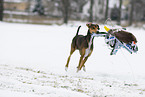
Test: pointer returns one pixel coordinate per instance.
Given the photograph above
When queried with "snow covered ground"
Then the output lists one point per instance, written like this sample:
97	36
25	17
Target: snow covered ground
33	58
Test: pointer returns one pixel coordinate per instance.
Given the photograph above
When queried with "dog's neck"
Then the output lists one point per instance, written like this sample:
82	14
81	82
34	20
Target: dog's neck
88	35
89	38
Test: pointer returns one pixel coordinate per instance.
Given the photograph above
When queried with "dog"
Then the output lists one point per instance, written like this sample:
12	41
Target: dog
84	44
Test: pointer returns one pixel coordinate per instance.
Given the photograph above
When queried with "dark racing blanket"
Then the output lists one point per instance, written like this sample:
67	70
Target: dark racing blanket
125	37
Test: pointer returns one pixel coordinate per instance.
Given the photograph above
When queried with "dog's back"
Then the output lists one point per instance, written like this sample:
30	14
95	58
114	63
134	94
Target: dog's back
79	41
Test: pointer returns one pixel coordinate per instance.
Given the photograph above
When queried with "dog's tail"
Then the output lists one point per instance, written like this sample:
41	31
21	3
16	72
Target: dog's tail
78	30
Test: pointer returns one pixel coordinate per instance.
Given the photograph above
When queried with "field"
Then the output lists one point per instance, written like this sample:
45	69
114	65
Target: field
33	58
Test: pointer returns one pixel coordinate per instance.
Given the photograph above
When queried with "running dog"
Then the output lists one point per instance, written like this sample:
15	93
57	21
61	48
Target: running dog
84	44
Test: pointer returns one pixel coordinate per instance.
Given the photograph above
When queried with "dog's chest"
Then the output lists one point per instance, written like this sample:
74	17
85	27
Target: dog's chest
88	50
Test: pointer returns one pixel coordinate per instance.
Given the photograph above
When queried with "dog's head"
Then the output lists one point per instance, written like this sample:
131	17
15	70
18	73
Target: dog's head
93	28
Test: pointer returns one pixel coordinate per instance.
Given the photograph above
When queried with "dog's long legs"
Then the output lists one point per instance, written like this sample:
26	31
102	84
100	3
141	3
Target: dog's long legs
81	59
82	53
83	62
71	52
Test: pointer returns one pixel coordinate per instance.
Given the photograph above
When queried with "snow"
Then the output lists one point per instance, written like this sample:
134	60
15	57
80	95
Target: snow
33	58
112	3
16	12
16	1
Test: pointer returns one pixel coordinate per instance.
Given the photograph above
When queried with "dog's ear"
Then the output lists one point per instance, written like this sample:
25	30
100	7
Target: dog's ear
98	27
88	25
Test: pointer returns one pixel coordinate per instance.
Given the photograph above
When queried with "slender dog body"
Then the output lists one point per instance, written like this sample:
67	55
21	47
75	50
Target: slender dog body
84	44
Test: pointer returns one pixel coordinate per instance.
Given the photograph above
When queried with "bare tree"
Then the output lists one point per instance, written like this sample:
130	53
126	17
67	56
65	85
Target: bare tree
119	16
131	12
1	10
138	10
65	10
106	12
91	11
81	4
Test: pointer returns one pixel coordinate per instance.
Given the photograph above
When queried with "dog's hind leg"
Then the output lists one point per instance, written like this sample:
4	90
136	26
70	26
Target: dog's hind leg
71	52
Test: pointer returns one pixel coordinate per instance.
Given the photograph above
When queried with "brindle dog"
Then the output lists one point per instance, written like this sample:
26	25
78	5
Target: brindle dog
84	44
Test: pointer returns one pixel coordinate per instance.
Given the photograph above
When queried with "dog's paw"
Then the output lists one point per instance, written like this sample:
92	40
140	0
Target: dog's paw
78	69
84	69
66	68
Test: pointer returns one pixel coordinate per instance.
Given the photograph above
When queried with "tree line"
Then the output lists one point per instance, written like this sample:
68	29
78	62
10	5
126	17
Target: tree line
136	9
1	10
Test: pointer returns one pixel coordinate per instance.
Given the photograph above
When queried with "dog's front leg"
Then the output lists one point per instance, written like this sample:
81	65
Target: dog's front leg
82	53
80	62
83	62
